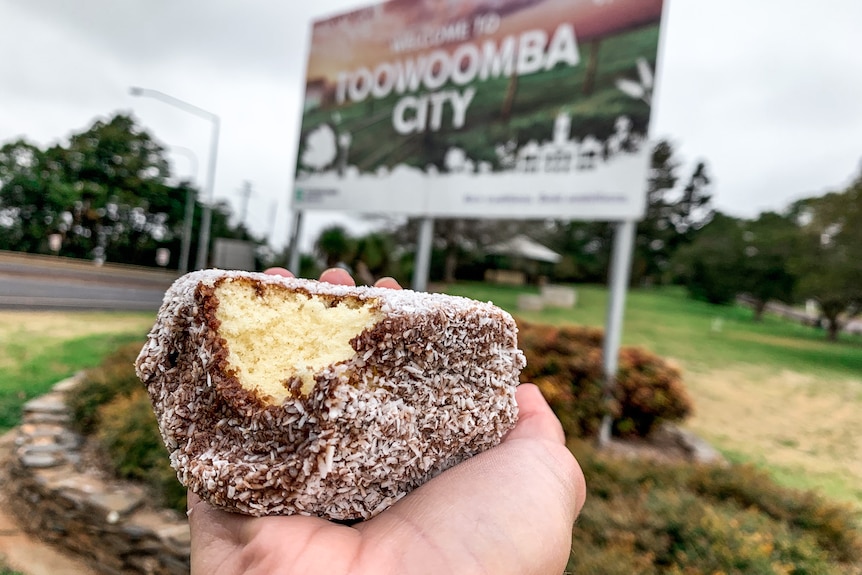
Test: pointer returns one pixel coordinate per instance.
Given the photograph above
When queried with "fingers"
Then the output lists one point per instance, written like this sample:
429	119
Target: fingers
337	276
387	282
279	272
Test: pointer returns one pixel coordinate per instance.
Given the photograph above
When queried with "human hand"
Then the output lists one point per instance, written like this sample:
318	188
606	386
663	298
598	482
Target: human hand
508	510
338	276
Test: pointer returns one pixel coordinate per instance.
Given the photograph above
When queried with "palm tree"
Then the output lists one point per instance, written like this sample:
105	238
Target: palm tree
335	245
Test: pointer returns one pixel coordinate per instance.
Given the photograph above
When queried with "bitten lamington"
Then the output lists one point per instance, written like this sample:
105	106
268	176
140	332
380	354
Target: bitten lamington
290	396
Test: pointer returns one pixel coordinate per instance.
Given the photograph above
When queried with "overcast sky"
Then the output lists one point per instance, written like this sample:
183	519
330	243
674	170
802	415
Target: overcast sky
767	92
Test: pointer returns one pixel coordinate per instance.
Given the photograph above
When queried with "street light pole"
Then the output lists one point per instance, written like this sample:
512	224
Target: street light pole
206	216
185	247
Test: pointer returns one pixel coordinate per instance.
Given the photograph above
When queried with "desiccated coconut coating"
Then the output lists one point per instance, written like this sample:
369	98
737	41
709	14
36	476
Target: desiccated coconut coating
428	385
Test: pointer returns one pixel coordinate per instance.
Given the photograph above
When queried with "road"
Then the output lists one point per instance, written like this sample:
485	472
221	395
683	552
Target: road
38	282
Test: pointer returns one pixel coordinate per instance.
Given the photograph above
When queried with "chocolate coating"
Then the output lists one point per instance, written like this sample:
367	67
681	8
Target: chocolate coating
429	385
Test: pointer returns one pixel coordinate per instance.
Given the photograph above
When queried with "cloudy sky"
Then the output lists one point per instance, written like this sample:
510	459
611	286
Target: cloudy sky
768	93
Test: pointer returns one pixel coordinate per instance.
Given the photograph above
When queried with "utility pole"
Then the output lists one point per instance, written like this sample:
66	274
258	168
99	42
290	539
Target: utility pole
273	213
245	193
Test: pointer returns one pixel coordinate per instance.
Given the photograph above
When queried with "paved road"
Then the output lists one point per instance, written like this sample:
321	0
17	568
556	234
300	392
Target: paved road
50	293
44	283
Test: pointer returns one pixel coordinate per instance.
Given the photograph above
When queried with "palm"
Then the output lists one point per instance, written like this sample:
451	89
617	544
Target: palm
508	510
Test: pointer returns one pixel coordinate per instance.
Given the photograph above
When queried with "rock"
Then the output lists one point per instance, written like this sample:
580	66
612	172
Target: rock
46	417
41	460
68	384
52	403
559	296
122	501
530	302
109	523
699	450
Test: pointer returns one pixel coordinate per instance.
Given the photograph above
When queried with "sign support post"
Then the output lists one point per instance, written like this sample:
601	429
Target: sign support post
296	232
620	271
422	261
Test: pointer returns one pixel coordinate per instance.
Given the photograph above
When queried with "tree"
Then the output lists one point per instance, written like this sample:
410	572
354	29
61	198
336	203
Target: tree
672	217
372	257
712	267
457	241
731	256
585	247
106	193
334	245
34	197
770	243
125	207
829	259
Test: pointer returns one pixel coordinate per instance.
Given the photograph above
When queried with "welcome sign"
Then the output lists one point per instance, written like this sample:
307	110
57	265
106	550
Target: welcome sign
481	108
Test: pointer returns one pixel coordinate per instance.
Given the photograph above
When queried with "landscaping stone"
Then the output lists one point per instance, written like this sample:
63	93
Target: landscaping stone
108	523
52	403
40	460
559	296
530	302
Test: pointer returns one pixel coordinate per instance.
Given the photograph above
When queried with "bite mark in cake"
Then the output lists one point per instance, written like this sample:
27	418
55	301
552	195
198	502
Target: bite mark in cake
275	335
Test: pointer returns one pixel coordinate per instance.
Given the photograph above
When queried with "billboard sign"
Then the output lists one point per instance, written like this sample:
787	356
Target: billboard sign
480	108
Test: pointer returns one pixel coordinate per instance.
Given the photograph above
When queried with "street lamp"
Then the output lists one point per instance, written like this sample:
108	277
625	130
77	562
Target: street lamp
206	216
190	209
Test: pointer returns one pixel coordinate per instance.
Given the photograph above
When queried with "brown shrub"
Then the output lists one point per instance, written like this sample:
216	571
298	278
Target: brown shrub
129	434
565	362
114	377
111	404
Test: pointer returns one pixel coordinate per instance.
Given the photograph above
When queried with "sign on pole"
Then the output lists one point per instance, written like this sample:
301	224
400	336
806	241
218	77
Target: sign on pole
480	108
516	109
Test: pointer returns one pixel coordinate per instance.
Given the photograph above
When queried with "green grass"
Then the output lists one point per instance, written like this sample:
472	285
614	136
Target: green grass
775	394
836	486
668	323
33	356
39	372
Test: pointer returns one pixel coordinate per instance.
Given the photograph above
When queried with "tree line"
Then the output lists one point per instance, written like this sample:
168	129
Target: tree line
810	251
108	194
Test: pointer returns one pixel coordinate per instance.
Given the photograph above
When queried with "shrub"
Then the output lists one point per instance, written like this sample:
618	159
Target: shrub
115	376
129	434
648	390
566	363
647	518
751	488
111	405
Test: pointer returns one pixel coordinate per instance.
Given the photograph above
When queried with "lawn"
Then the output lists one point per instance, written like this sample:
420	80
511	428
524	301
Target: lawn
775	393
37	349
